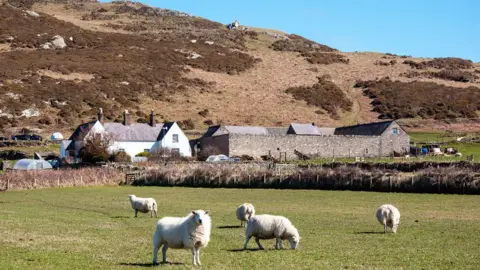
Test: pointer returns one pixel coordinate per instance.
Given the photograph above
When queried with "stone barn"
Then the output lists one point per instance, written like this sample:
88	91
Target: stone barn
367	140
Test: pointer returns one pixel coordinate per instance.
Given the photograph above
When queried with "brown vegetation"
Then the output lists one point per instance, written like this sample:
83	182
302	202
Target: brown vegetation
395	99
324	58
295	43
455	75
324	94
123	67
429	180
441	63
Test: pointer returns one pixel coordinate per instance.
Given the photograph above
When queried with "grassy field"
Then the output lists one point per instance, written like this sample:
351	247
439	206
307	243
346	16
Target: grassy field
94	228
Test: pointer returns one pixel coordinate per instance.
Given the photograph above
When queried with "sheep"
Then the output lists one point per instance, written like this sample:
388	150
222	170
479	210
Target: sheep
245	212
143	205
190	232
388	215
269	227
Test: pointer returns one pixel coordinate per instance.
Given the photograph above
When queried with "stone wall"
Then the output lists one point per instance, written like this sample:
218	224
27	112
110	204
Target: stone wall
321	146
390	142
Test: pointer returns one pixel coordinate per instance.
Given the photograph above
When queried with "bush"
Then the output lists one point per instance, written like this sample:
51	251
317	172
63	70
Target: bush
95	148
324	94
207	151
121	157
204	113
441	63
395	99
187	124
143	154
322	58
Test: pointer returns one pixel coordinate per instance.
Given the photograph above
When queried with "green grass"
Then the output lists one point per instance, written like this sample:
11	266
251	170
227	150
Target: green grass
30	150
94	228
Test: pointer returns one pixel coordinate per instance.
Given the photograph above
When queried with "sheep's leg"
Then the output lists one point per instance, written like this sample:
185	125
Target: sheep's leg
164	253
281	244
156	214
277	243
194	256
385	227
258	243
136	211
156	247
198	256
246	242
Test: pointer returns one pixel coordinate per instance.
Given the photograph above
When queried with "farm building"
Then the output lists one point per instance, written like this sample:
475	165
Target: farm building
366	140
132	138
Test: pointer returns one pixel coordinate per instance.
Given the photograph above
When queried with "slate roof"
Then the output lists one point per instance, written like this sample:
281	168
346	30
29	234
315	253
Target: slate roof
251	130
370	129
81	131
326	131
277	130
303	129
133	132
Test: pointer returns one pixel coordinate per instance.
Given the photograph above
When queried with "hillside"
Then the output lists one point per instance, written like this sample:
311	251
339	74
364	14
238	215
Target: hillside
130	56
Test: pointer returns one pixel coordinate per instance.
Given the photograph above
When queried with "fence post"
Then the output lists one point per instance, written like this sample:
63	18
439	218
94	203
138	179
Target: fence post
390	183
34	182
58	181
299	180
249	180
264	178
8	184
371	182
316	185
194	183
81	180
412	180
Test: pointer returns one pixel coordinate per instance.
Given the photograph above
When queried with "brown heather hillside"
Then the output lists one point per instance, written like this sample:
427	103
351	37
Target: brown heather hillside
189	69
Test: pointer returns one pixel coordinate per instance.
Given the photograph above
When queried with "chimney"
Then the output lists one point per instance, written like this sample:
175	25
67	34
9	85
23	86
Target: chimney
152	119
127	118
100	115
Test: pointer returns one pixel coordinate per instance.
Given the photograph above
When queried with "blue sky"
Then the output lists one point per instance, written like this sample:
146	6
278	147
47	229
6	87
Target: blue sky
428	28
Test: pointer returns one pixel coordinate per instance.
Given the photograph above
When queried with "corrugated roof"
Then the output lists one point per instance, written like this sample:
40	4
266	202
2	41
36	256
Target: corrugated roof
277	130
303	129
252	130
133	132
370	129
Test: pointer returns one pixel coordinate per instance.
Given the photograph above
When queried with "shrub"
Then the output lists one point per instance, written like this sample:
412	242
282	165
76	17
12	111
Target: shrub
208	122
441	63
95	148
324	94
143	154
187	124
204	113
120	157
395	99
322	58
207	151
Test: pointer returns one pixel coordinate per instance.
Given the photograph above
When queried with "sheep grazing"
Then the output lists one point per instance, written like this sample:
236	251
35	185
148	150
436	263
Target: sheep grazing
190	232
143	205
245	212
388	215
269	227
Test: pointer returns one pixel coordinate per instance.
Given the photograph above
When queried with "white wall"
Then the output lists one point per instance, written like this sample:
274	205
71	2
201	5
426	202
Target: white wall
167	142
131	148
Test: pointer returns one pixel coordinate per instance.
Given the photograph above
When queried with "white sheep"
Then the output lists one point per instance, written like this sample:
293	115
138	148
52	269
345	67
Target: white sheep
270	227
245	212
190	232
143	205
388	215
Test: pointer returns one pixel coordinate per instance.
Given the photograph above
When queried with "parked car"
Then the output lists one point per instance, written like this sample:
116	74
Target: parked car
3	138
23	137
35	137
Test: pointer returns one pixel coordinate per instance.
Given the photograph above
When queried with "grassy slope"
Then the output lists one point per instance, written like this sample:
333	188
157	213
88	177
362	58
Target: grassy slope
82	228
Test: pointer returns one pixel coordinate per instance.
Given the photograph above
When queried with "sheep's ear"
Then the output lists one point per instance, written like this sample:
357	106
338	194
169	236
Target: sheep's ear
206	212
193	212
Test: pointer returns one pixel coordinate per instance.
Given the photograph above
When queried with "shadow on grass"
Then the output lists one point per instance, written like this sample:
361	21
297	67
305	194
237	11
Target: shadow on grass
150	264
244	250
120	217
369	233
229	227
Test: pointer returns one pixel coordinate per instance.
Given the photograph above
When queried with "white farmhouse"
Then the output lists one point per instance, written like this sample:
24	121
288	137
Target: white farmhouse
132	138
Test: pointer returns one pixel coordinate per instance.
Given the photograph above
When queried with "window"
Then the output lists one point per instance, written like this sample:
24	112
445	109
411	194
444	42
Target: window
395	130
175	138
121	150
146	150
366	150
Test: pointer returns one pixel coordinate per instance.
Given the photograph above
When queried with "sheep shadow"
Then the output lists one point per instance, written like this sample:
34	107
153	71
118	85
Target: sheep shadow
369	233
230	227
150	264
120	217
245	250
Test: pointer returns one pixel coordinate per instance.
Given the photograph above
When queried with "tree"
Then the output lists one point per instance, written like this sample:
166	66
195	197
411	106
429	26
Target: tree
208	151
96	148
